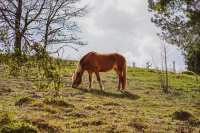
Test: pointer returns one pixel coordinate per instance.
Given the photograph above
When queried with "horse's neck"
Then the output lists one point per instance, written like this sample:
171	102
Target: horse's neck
79	68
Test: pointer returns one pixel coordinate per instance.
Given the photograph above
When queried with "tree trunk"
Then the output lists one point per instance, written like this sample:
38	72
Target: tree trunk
46	35
166	70
18	36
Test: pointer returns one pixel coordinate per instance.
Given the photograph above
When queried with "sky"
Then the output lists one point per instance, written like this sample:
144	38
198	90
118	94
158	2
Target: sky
123	26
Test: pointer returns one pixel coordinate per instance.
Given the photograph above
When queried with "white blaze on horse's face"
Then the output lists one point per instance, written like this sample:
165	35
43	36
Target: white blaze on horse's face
73	77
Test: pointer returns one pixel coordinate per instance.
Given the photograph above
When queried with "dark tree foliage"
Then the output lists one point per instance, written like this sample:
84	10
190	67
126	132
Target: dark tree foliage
179	21
193	58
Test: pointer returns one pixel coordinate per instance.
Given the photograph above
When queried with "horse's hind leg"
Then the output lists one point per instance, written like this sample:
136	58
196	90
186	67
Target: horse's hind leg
119	79
99	80
90	80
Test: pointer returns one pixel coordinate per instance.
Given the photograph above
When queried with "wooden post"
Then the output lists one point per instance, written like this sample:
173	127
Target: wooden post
174	66
133	64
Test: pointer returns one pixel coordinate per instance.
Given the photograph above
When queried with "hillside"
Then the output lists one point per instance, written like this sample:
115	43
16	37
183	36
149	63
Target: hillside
143	107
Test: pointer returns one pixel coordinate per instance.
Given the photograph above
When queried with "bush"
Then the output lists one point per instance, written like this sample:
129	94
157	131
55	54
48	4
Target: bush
189	73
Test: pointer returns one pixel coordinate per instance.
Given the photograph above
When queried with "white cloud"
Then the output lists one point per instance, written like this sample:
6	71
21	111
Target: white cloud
124	27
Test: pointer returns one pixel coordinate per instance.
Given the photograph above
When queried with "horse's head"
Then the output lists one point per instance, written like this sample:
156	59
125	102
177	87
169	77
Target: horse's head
77	77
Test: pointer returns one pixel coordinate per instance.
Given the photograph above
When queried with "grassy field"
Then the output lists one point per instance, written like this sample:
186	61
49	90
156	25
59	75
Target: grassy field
143	107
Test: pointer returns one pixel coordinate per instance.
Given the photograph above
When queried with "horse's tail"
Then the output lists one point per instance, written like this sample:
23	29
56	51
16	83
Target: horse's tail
124	76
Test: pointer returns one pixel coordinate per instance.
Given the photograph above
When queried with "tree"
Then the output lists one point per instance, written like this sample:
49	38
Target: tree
53	21
18	15
57	24
193	58
179	21
166	86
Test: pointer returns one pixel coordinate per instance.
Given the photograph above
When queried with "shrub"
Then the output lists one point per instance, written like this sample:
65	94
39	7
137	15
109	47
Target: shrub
189	73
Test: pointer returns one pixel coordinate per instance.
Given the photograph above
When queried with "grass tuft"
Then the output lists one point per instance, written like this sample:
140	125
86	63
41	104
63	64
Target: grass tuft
58	102
19	127
23	100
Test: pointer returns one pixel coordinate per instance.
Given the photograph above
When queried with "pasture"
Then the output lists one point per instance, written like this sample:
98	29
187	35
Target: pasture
143	107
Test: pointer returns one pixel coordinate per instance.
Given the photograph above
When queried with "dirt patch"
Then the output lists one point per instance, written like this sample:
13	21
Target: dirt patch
182	128
182	115
90	123
138	125
37	105
78	114
89	107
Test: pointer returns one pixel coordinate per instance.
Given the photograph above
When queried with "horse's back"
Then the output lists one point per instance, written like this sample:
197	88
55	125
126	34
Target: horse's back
102	62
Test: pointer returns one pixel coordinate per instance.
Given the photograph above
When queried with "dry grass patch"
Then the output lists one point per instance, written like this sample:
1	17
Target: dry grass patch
58	102
42	125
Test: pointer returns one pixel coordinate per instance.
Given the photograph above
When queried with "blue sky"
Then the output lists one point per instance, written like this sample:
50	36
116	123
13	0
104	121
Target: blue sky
124	27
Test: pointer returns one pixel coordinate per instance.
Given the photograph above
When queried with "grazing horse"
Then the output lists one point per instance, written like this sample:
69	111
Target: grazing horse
94	62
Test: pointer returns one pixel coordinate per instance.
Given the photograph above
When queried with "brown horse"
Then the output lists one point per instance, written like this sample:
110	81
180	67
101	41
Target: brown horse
94	62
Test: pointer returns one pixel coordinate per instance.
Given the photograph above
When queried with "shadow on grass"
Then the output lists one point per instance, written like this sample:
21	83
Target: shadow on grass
122	94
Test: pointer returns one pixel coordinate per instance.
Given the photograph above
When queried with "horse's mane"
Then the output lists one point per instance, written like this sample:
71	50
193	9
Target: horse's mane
83	58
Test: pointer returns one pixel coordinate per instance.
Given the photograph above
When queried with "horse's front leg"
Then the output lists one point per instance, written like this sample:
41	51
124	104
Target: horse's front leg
119	79
99	80
90	80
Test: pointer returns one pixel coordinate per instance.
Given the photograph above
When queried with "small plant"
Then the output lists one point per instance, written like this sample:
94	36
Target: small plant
18	127
49	71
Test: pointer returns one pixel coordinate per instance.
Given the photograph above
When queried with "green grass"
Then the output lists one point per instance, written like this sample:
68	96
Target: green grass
143	107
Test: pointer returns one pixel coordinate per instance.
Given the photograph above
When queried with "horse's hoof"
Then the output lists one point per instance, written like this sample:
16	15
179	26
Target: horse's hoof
122	91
